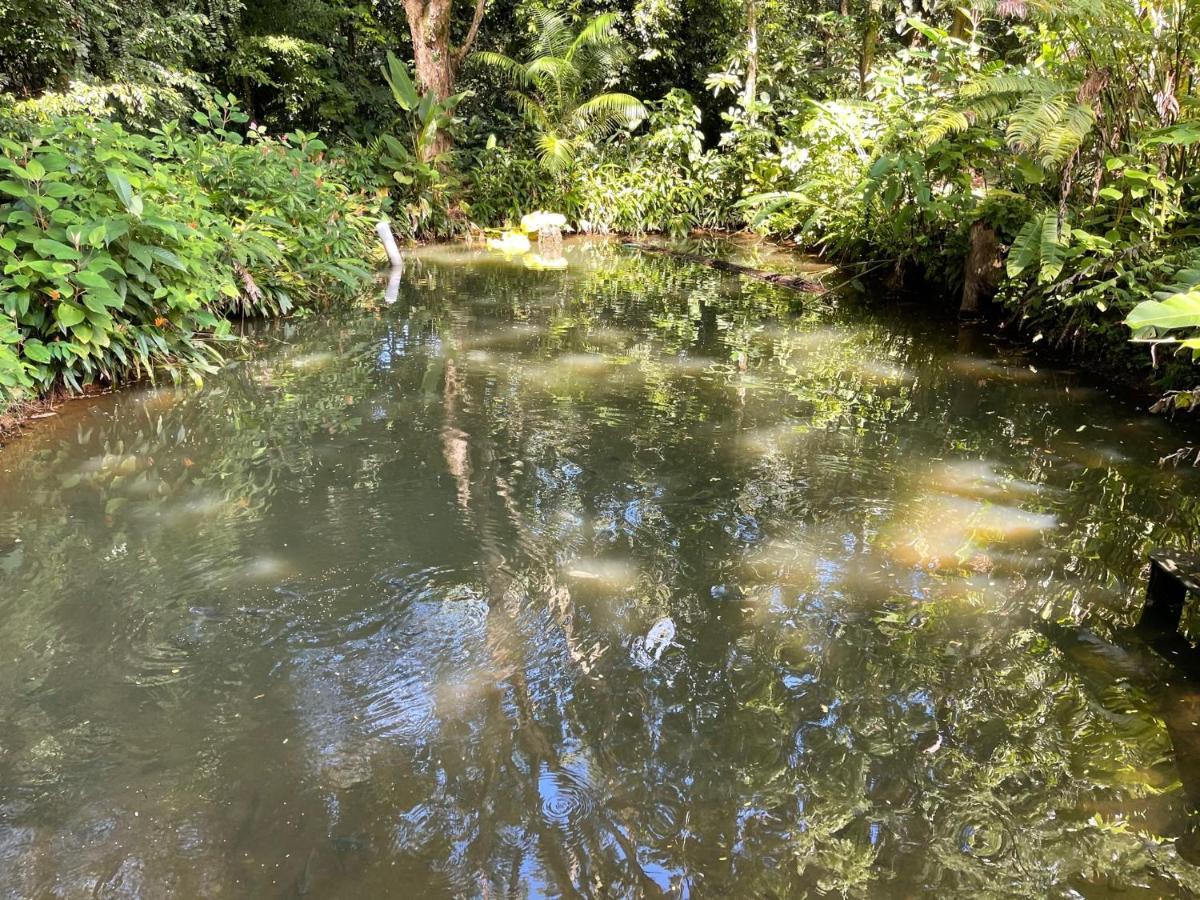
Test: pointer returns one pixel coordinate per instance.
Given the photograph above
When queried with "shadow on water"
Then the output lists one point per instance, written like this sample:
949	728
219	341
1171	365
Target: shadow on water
631	579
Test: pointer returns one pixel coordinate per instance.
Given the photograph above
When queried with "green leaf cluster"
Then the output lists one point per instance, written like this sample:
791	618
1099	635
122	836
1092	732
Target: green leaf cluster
125	254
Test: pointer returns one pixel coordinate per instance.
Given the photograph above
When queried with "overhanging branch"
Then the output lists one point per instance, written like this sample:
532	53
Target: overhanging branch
472	33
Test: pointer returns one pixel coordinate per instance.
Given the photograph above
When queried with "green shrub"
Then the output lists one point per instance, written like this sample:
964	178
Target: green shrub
126	252
659	180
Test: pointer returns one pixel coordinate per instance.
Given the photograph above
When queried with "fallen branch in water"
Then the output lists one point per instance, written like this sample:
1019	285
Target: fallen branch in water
795	282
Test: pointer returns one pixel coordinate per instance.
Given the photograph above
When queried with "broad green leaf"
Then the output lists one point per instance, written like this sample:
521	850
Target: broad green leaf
166	256
48	247
68	314
122	186
36	350
58	189
1178	311
395	73
92	301
1026	249
91	279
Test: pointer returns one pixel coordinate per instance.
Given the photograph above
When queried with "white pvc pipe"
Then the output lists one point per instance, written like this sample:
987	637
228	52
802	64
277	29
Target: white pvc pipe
384	230
393	286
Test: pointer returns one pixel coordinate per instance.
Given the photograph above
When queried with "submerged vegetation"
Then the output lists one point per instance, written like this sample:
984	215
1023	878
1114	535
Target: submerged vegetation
162	170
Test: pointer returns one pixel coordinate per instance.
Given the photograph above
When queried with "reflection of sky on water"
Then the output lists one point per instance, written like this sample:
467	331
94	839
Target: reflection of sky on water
372	611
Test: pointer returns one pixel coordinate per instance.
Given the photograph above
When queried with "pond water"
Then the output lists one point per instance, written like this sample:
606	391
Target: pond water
367	615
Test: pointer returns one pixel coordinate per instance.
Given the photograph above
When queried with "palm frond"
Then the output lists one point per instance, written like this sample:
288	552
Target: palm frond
554	67
556	152
531	110
605	113
506	65
601	30
554	36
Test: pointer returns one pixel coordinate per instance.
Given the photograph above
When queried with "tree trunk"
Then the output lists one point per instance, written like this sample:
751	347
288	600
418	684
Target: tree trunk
437	60
982	271
963	26
429	22
750	91
870	42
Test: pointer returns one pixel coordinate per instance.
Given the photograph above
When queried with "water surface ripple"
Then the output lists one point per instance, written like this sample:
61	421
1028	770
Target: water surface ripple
629	580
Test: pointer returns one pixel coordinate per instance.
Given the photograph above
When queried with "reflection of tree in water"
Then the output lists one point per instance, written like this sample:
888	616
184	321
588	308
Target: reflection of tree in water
558	462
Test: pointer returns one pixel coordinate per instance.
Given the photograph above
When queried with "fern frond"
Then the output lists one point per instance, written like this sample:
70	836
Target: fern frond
1052	243
944	121
1026	249
989	108
1041	242
1010	84
1067	135
1031	119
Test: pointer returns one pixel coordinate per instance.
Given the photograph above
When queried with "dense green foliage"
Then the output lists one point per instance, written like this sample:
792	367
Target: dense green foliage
1064	132
129	251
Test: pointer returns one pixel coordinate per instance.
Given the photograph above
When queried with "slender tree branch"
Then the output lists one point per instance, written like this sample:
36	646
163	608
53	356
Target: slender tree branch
472	33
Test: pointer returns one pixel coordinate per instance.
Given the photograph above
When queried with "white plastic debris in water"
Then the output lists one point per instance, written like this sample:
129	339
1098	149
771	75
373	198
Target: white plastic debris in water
536	221
510	242
384	230
392	291
659	638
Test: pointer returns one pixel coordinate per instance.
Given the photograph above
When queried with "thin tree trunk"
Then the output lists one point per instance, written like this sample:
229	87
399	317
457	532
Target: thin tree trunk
963	26
982	270
869	43
751	88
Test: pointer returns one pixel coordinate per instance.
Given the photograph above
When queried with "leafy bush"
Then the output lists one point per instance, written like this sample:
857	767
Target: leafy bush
554	89
506	182
126	252
418	165
656	181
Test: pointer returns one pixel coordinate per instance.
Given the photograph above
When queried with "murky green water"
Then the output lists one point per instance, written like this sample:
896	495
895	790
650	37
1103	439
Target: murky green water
366	616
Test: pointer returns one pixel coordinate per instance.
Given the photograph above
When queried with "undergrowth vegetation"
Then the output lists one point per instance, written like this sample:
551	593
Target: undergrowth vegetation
128	252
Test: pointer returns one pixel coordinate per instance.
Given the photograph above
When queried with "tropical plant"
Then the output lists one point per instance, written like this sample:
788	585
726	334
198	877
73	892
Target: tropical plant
428	116
128	252
553	88
419	163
